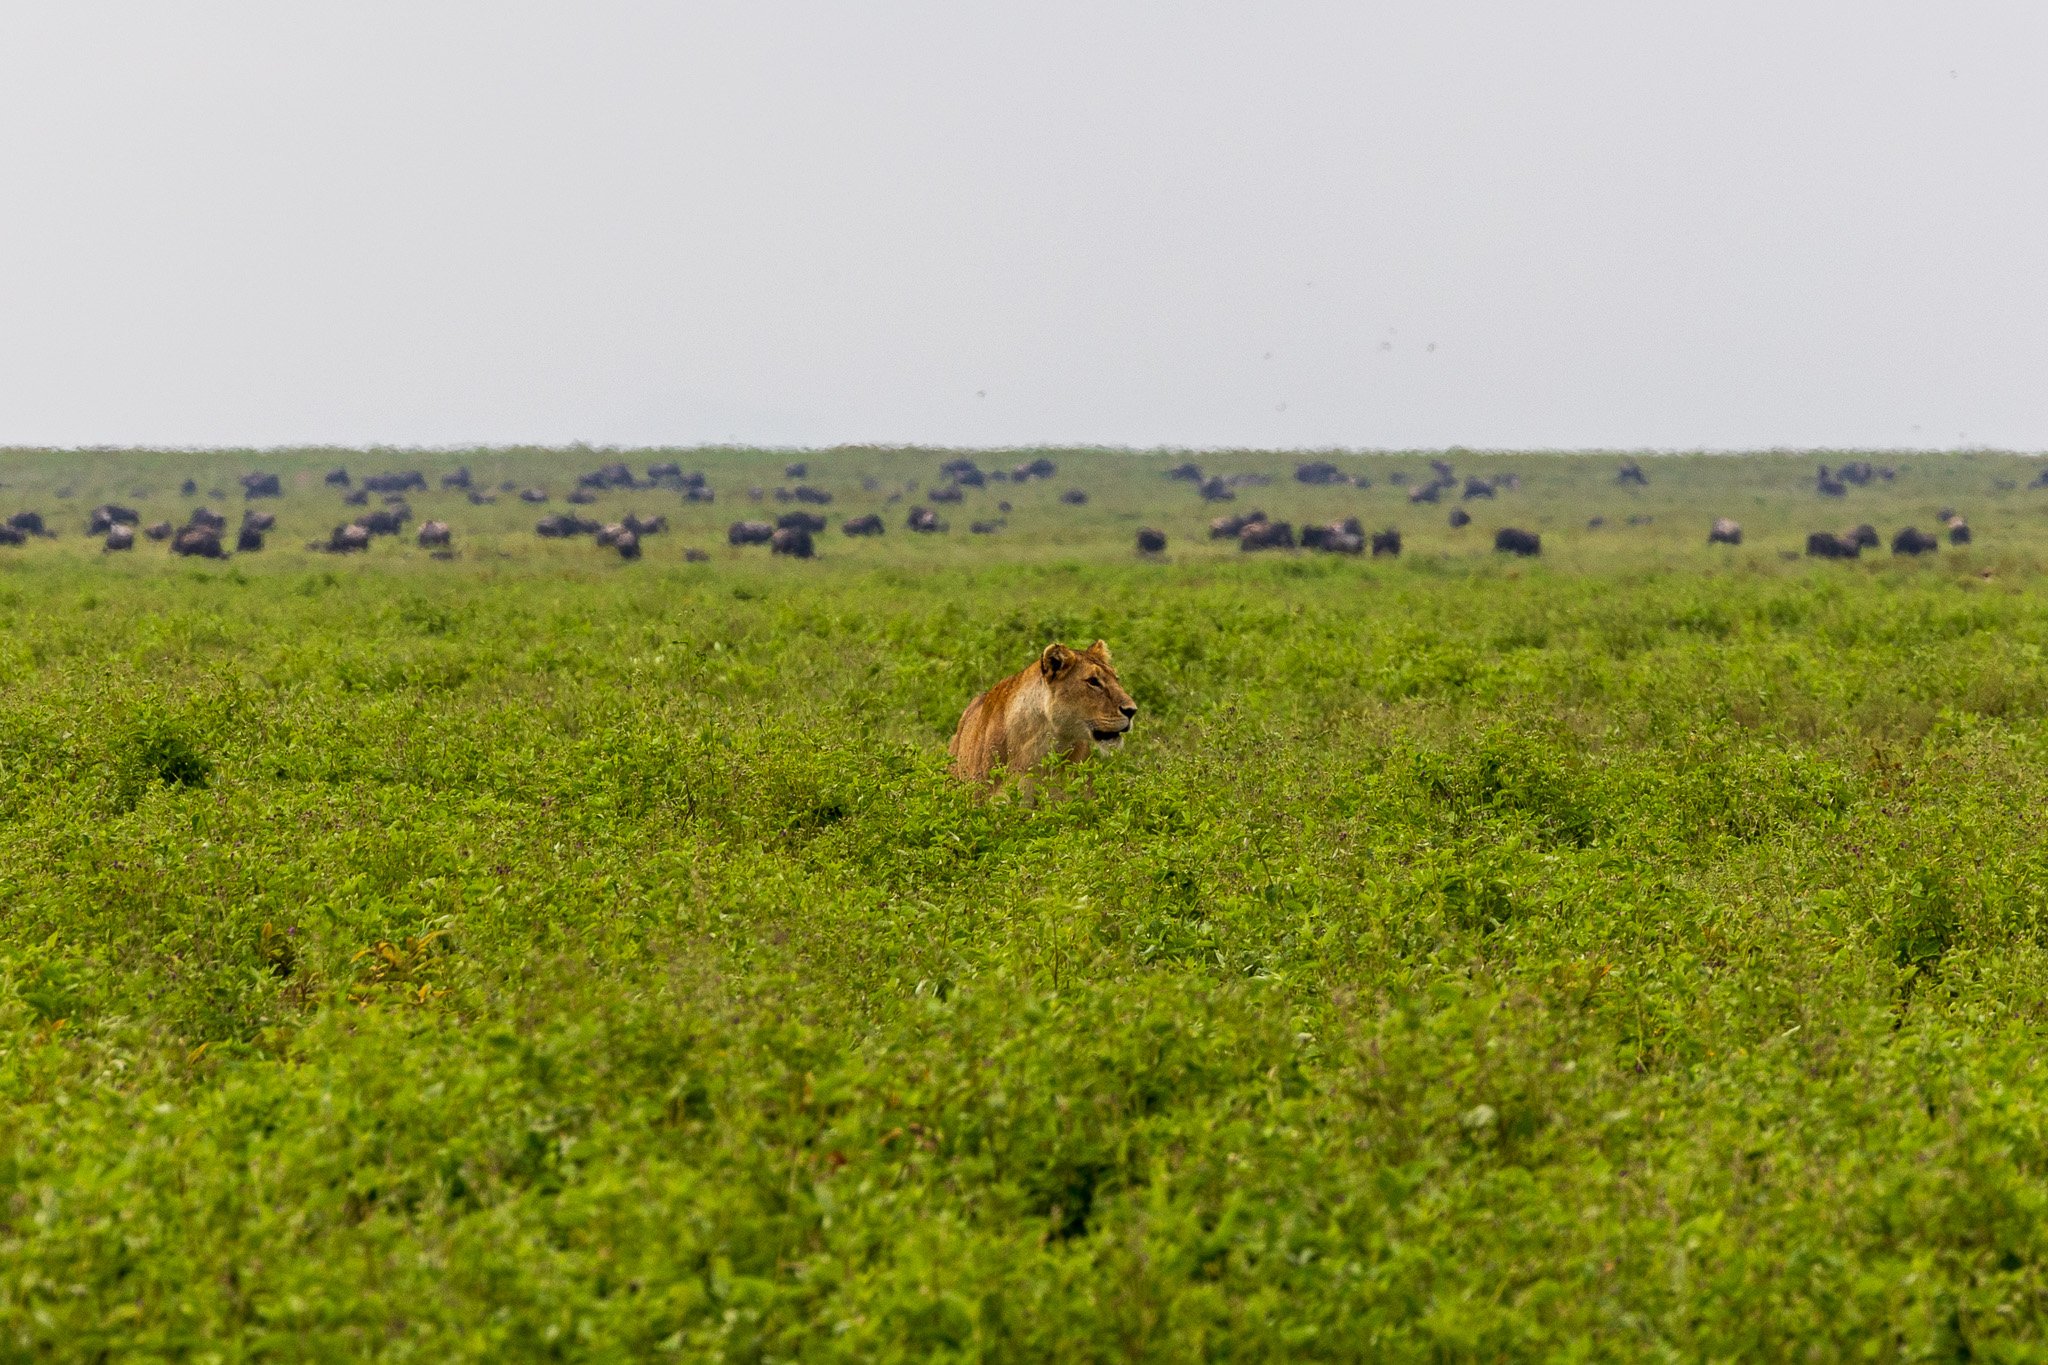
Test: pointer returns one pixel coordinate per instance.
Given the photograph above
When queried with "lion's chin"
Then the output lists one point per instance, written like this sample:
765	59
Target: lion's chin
1107	739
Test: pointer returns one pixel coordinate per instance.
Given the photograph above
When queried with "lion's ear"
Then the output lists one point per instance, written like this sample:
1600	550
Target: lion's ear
1055	660
1100	650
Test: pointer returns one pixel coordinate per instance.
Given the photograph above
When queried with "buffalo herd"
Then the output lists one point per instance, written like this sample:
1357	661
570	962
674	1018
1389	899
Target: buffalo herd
205	533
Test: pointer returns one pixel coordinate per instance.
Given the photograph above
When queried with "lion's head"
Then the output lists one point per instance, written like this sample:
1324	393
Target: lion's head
1087	696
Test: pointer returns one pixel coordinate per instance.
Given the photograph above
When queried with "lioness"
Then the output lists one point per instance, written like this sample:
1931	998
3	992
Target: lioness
1067	702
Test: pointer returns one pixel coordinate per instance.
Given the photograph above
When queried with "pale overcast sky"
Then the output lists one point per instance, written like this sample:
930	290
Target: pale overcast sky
1562	224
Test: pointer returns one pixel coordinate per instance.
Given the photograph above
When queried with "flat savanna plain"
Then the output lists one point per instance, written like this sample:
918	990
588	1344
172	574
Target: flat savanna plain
1635	952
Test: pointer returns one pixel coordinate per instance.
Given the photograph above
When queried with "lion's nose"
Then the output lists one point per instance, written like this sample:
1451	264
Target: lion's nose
1128	711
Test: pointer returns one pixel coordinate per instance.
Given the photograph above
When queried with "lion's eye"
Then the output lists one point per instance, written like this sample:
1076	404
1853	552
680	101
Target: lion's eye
1095	682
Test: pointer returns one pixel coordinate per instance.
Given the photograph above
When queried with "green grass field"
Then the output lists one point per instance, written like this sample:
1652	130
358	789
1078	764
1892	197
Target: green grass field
1639	952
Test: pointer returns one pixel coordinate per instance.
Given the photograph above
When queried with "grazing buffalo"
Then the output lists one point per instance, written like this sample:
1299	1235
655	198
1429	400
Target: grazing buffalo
434	534
984	528
1217	490
533	495
260	521
1190	472
1151	542
1319	473
1865	537
794	541
946	493
10	536
1074	497
613	475
1476	487
1631	473
1460	517
1513	541
248	538
1958	531
582	497
644	526
1725	532
188	488
563	525
749	533
1914	541
1858	472
924	520
1425	492
1827	485
693	555
337	478
795	471
29	524
1266	535
816	497
385	521
160	530
962	470
1828	545
120	537
620	538
201	541
460	479
207	517
1227	528
1387	542
869	525
479	499
402	481
809	522
109	515
262	486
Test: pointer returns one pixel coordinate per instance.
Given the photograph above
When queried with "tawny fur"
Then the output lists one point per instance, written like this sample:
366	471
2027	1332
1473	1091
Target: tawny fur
1067	702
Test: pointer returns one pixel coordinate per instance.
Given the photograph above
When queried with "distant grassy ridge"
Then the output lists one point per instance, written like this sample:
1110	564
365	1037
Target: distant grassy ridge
1636	952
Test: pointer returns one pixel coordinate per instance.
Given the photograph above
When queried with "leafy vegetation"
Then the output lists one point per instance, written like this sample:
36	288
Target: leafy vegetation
1635	952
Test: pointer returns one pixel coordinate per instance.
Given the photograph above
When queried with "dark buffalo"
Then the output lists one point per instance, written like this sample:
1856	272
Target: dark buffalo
1958	531
1074	497
1914	541
1151	542
1476	487
187	488
1227	528
161	530
613	475
946	493
809	522
869	525
337	478
260	521
1217	490
1426	492
207	517
1190	472
1319	473
1460	517
385	521
1387	542
563	525
10	536
1631	473
644	526
582	497
109	515
477	499
693	555
621	538
795	471
533	495
1041	468
1511	540
1827	485
749	533
1858	472
923	519
1865	537
248	538
1725	532
794	541
262	486
1828	545
29	524
401	481
120	537
1266	535
434	534
201	541
460	479
816	497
